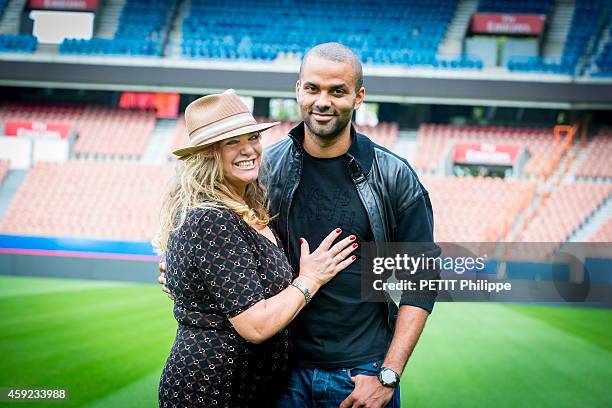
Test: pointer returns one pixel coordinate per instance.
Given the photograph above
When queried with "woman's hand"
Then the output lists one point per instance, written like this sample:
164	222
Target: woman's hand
320	266
268	316
162	279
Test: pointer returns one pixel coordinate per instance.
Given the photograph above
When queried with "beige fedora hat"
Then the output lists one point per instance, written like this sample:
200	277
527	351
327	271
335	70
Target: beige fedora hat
216	117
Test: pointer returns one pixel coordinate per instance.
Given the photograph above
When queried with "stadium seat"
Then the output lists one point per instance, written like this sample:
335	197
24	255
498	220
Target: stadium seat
89	199
596	161
515	6
434	140
403	32
564	210
141	31
589	18
21	43
476	209
604	233
100	130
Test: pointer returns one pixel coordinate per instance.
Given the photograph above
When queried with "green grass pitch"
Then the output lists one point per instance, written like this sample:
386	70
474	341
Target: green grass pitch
107	342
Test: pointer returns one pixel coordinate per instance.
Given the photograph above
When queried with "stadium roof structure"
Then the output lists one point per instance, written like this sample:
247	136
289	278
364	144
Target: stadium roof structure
488	87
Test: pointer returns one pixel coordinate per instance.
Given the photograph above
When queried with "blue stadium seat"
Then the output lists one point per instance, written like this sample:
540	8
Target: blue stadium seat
385	33
515	6
588	19
139	32
3	4
18	43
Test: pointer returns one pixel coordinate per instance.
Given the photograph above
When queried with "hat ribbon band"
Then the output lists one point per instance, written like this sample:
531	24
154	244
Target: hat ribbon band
234	122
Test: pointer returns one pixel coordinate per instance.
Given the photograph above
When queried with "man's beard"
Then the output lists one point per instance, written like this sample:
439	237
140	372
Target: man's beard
330	130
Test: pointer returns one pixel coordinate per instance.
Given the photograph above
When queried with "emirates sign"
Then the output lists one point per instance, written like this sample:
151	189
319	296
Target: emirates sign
484	153
36	130
63	4
518	24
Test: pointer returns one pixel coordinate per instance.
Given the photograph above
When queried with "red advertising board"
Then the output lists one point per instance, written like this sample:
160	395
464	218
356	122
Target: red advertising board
63	4
484	153
166	105
521	24
36	129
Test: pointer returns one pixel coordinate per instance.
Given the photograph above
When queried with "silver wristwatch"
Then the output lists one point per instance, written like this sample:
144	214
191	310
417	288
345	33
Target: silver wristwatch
300	285
388	377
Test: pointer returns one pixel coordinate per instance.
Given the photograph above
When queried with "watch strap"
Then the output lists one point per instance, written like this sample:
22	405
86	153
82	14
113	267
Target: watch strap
302	287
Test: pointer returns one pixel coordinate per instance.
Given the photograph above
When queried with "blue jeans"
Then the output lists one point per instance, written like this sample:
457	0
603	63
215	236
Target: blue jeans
316	388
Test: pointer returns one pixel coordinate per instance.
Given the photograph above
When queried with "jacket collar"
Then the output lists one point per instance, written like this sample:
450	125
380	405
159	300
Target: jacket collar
361	149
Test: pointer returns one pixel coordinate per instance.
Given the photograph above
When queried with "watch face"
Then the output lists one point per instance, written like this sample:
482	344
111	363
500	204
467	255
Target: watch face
387	376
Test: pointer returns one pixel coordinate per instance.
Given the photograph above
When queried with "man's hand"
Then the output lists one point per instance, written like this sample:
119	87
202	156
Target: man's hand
162	279
368	393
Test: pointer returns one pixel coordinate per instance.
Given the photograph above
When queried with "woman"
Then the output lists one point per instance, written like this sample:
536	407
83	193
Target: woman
233	288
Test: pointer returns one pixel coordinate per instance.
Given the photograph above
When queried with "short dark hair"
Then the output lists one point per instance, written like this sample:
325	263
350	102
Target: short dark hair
334	51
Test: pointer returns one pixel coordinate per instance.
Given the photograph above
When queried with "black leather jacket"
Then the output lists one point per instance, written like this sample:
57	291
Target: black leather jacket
397	204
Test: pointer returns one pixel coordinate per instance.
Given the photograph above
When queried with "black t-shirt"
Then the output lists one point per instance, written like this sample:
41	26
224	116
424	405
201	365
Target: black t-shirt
337	329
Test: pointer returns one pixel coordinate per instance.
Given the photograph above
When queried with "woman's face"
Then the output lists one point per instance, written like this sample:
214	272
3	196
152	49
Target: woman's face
241	159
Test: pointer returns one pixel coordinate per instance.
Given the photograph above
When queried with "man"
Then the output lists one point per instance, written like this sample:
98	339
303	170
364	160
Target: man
347	352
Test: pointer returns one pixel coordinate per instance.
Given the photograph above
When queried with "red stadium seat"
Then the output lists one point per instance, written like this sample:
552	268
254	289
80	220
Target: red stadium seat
604	233
563	211
596	162
476	209
84	198
101	130
434	140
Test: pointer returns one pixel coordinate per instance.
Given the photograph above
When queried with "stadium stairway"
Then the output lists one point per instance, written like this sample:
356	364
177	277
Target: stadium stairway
156	151
406	145
597	219
580	156
559	23
604	40
519	223
558	176
9	187
175	31
563	170
9	24
109	18
453	40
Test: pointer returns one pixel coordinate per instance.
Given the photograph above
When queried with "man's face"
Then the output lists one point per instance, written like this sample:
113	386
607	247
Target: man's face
327	97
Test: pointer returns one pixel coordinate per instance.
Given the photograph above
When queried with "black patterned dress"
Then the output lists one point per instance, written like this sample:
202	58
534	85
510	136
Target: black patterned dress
217	267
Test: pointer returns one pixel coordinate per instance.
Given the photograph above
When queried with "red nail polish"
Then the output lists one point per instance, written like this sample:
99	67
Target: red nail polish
352	237
301	241
355	245
353	257
338	231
